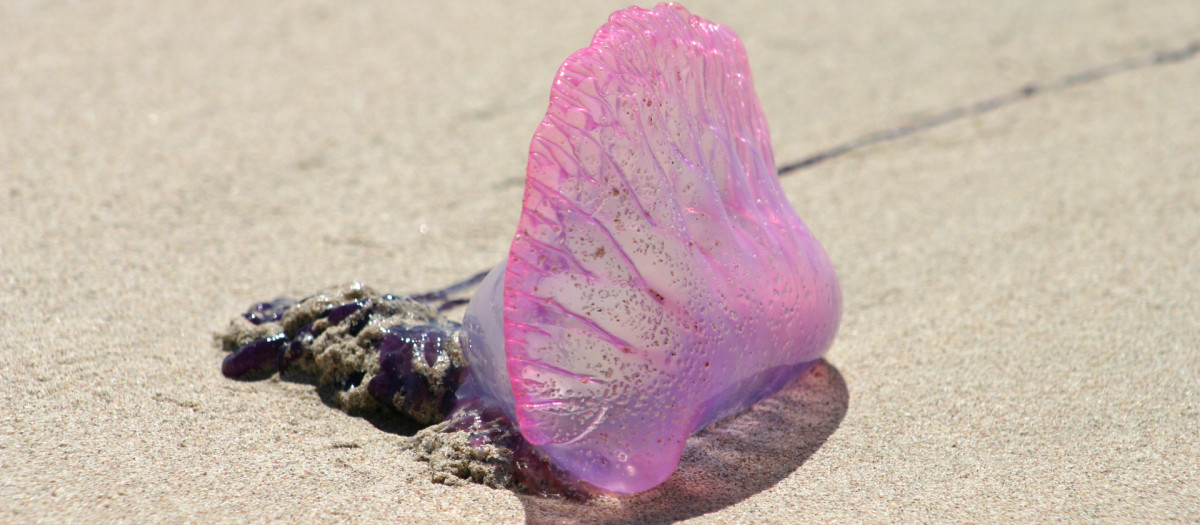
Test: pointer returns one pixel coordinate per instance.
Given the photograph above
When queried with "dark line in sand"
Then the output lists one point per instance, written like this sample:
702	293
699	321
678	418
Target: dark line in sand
1028	91
446	295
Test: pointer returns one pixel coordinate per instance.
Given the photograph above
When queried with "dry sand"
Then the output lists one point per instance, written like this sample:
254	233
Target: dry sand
1020	336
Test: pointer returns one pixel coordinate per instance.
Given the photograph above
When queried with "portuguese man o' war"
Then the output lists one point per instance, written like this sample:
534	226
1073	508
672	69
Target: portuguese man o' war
658	281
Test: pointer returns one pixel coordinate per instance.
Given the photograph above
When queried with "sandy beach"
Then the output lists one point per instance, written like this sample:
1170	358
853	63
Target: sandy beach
1010	193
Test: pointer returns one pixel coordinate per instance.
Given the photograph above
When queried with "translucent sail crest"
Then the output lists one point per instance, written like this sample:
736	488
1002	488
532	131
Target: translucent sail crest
658	279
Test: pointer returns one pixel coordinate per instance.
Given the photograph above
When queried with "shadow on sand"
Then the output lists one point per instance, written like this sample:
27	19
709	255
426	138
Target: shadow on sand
727	462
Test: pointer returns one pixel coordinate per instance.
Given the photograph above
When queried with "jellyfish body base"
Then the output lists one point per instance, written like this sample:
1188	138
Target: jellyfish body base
391	356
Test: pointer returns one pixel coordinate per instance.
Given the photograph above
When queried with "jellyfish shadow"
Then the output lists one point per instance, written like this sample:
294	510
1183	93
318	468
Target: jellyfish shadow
726	463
